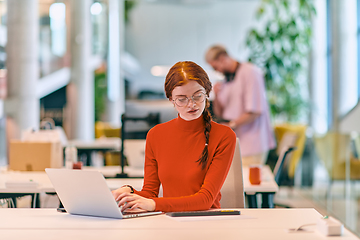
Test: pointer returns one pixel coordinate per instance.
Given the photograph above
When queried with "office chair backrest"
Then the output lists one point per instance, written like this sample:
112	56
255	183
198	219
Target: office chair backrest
334	150
291	135
233	189
148	122
134	150
281	163
151	119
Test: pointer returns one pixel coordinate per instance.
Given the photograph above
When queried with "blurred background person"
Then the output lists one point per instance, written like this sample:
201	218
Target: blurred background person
241	101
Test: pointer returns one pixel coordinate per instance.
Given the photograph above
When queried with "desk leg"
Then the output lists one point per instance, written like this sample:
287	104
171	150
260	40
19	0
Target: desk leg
252	201
267	200
36	197
84	156
88	158
14	202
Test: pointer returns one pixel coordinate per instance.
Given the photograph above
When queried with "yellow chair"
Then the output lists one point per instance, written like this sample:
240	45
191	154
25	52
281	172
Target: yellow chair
112	158
282	130
99	129
104	129
334	150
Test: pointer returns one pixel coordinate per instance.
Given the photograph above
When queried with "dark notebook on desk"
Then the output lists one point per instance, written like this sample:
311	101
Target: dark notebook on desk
217	212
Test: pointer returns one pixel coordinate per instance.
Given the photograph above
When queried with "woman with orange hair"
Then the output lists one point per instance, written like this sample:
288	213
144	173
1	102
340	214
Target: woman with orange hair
189	156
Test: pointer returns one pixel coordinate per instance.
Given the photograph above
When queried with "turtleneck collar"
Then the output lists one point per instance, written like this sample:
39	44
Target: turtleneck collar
192	125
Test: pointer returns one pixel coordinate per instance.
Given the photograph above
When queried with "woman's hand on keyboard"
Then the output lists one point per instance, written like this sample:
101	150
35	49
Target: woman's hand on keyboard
133	201
116	193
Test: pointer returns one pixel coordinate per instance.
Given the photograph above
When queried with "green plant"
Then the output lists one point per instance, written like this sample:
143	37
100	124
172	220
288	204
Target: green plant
100	83
129	4
282	49
100	94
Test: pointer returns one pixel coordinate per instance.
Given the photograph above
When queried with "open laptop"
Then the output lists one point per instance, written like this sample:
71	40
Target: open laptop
86	193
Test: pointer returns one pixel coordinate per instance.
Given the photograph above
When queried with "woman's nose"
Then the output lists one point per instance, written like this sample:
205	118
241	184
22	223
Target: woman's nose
192	102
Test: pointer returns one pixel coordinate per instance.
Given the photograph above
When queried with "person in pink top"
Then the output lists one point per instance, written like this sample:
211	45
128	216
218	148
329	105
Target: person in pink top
241	99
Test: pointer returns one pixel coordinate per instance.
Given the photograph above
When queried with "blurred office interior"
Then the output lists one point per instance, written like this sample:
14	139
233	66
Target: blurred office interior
84	63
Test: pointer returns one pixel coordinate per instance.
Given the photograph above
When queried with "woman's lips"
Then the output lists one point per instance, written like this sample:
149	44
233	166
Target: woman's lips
193	111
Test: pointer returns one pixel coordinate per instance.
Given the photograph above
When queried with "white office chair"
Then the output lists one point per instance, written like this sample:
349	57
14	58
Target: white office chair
233	189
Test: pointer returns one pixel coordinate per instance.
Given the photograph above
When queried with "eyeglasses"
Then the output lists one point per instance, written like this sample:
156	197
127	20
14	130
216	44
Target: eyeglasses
184	101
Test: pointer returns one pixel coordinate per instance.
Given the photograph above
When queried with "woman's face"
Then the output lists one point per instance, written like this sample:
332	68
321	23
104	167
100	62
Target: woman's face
189	100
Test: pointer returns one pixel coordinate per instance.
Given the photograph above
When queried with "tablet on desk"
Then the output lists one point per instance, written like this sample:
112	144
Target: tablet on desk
218	212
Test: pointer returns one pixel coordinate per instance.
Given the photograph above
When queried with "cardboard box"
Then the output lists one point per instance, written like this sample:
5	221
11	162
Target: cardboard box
35	156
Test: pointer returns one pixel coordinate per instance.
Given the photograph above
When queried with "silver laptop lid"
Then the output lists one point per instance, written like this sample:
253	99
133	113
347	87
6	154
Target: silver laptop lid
84	192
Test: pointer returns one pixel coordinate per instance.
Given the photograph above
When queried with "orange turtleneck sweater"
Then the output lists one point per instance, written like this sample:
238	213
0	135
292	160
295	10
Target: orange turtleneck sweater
172	149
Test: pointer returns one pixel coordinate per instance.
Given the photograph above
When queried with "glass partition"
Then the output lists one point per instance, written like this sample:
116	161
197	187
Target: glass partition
336	176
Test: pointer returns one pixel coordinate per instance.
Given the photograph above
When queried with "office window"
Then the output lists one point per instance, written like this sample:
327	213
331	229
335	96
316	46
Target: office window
358	45
347	57
58	29
329	63
320	57
99	28
52	36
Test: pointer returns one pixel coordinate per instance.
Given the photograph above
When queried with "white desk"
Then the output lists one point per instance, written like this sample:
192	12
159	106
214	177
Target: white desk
99	144
252	224
267	188
45	185
39	177
267	185
111	171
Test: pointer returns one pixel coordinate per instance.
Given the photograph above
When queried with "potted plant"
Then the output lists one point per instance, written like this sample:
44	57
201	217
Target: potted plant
281	48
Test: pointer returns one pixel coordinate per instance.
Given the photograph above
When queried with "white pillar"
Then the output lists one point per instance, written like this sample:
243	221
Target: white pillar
82	76
116	82
22	63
